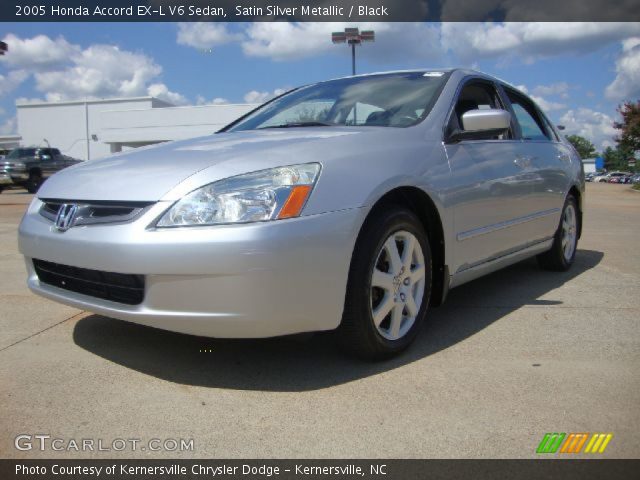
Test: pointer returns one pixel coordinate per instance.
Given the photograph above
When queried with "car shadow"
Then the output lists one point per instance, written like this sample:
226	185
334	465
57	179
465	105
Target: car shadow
300	364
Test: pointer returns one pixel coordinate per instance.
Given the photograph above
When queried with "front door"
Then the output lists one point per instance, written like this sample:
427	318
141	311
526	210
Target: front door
492	186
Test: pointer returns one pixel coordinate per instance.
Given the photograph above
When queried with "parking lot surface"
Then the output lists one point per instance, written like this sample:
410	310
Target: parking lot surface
509	358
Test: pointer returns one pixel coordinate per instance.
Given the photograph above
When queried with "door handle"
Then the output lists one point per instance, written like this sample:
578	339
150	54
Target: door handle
523	161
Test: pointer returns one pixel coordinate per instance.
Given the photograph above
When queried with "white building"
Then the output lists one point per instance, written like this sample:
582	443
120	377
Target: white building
95	128
589	165
9	142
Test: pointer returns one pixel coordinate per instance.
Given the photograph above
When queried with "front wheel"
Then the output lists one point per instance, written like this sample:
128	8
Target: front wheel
565	241
34	182
389	286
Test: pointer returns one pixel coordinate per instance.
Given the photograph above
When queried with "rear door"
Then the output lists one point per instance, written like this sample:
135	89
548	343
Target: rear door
492	190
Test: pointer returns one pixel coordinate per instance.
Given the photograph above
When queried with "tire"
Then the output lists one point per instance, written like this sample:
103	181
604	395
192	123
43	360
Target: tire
565	241
379	282
34	182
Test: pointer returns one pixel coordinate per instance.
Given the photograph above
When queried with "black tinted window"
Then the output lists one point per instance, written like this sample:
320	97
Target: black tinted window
530	122
22	152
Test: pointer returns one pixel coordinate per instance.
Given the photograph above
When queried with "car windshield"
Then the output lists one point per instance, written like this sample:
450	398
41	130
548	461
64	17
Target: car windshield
22	152
388	100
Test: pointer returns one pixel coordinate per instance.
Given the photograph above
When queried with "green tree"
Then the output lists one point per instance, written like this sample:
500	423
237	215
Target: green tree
584	147
629	138
614	159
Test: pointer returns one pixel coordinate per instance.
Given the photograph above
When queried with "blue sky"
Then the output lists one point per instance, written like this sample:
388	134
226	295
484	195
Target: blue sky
577	72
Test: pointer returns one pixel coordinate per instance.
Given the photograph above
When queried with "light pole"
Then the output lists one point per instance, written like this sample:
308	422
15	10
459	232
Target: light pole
353	37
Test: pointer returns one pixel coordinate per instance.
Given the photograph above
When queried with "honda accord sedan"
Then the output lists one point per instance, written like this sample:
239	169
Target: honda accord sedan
352	205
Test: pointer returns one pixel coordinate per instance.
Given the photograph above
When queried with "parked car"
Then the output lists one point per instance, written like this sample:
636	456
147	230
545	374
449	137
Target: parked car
30	167
590	176
352	204
609	176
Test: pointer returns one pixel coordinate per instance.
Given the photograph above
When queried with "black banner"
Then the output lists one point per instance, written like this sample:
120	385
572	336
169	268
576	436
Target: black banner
317	10
320	469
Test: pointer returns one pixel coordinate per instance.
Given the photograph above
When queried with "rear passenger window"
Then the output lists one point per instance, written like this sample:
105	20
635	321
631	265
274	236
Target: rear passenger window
530	122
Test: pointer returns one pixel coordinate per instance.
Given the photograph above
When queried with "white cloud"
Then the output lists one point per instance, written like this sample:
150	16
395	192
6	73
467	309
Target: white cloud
11	81
288	41
595	126
160	90
560	89
100	71
626	85
204	35
37	53
547	105
27	100
255	96
293	41
10	126
530	41
542	102
460	43
200	100
63	71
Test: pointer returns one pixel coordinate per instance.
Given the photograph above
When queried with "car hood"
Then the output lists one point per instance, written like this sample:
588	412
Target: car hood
169	170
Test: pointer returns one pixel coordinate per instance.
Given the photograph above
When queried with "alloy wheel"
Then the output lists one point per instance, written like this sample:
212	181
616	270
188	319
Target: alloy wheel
569	231
397	285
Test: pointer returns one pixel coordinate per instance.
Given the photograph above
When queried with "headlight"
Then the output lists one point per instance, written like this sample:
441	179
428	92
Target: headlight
265	195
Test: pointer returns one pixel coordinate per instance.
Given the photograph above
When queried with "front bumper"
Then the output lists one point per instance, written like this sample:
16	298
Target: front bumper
18	177
229	281
5	180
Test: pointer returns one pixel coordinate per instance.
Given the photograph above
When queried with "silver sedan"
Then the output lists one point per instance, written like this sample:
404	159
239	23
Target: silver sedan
353	204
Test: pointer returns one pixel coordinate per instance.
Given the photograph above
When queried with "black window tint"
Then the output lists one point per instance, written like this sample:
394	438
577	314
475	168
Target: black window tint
530	122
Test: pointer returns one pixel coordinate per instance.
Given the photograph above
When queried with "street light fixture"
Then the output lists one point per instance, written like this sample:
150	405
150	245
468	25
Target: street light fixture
353	37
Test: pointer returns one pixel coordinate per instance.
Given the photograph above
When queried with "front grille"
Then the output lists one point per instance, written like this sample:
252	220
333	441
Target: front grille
117	287
93	212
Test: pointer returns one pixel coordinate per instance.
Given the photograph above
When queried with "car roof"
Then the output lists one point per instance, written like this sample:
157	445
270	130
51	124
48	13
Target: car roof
461	70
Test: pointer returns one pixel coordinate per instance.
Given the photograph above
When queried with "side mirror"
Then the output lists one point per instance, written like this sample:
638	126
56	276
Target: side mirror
482	125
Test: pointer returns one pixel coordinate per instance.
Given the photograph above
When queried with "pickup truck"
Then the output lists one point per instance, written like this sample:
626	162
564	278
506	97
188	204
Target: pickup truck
29	167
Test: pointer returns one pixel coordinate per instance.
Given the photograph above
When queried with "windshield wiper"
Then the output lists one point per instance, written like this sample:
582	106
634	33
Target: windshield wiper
300	124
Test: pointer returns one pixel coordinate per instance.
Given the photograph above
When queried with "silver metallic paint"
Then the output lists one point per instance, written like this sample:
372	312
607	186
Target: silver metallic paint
289	276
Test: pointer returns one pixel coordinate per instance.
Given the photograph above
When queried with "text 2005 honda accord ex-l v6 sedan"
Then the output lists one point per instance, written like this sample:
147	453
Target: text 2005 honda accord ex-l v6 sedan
352	204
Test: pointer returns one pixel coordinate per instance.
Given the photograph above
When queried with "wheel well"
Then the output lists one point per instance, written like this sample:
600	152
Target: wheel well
576	193
35	171
421	204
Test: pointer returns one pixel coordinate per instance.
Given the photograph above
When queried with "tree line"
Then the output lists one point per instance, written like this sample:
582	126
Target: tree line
627	140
